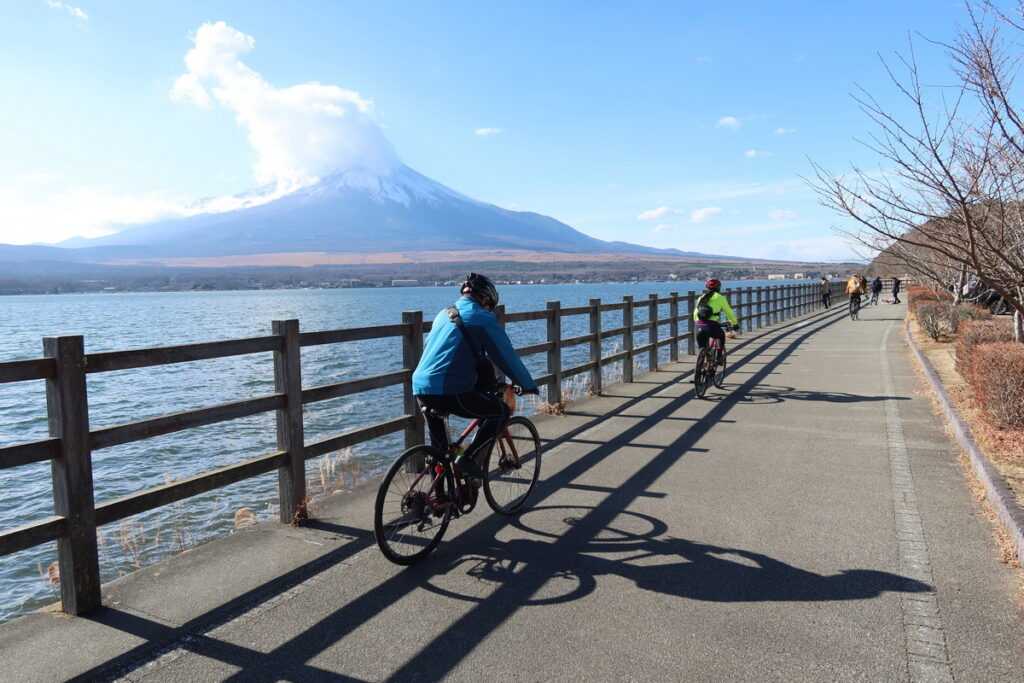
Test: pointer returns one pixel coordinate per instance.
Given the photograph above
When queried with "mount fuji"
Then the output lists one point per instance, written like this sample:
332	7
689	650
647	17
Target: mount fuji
357	210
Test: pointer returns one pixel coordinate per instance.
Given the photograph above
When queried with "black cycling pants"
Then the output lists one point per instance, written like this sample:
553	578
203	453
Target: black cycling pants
489	408
709	329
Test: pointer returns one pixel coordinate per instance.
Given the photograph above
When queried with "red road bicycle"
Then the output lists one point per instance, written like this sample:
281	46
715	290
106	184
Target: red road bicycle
423	490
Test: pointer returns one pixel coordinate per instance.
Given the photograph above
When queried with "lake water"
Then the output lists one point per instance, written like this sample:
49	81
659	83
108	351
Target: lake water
122	321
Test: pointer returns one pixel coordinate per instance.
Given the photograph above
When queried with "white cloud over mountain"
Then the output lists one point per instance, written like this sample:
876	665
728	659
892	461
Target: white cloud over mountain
728	122
654	214
299	132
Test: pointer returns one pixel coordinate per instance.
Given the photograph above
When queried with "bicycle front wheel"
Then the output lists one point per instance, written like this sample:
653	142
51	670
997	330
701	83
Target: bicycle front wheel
413	505
513	467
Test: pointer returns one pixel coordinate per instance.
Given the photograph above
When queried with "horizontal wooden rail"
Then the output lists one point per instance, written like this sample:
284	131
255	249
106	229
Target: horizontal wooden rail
113	510
579	369
614	357
574	310
29	452
108	361
176	422
356	436
614	332
534	349
525	316
352	334
23	370
328	391
33	534
576	341
612	307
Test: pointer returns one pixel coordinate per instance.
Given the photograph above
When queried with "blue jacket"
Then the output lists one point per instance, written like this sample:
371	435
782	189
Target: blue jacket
448	366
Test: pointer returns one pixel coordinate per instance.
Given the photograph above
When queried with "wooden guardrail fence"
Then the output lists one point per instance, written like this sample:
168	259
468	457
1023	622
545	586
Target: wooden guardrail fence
69	447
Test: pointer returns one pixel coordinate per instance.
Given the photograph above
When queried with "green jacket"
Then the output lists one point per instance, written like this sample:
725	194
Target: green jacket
718	304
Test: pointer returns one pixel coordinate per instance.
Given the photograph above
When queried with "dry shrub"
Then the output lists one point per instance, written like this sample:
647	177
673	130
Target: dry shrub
244	517
961	313
301	512
50	575
996	376
977	332
920	295
933	317
557	408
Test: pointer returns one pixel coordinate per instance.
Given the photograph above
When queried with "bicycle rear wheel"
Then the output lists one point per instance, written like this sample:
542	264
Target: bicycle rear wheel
513	467
701	377
413	505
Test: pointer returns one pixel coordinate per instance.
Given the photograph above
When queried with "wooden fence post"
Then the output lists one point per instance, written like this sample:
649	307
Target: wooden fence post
652	338
748	319
673	327
760	307
67	409
691	342
627	338
595	346
555	352
291	475
412	349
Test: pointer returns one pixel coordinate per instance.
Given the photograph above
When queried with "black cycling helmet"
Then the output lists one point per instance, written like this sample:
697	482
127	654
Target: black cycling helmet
482	288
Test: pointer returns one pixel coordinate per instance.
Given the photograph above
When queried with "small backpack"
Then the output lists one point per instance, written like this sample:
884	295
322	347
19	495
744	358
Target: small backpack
704	310
486	378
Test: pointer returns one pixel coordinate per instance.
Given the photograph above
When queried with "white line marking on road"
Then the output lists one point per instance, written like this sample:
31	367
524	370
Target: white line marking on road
927	657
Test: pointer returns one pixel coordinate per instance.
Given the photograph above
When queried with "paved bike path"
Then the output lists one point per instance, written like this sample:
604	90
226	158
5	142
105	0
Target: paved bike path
810	523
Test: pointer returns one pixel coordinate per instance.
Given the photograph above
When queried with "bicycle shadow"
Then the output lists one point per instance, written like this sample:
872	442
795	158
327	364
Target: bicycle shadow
769	394
673	567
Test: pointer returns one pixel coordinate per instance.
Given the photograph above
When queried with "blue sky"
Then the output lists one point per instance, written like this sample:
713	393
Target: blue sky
683	124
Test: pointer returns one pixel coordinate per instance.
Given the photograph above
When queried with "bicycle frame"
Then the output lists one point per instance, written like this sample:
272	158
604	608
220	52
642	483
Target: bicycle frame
453	449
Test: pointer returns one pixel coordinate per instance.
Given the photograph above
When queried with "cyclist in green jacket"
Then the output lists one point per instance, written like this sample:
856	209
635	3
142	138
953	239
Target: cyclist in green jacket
707	314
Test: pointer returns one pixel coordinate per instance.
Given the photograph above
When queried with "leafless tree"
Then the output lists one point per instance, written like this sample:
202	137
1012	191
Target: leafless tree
949	201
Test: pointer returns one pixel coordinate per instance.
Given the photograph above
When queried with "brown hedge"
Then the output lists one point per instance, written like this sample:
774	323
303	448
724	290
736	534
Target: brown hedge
918	295
997	379
975	332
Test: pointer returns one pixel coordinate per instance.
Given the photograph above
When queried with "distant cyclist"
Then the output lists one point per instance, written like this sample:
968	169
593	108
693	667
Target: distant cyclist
454	375
855	289
708	312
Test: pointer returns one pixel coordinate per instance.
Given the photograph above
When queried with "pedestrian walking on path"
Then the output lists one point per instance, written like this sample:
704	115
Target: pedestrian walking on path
826	292
896	290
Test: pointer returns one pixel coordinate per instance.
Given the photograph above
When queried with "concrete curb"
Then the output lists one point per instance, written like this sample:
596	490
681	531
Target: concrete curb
997	492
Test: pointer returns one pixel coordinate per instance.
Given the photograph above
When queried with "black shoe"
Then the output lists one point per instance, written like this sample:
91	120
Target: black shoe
467	467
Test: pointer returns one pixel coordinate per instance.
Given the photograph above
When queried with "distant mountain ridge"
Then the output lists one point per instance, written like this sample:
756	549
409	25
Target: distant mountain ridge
350	211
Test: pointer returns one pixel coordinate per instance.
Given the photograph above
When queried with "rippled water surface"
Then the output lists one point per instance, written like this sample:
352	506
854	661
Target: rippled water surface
122	321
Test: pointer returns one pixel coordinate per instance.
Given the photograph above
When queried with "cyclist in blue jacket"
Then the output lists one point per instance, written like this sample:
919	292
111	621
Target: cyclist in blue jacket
450	380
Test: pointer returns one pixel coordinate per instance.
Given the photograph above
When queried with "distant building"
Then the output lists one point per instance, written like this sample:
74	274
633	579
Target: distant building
776	276
799	276
405	283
